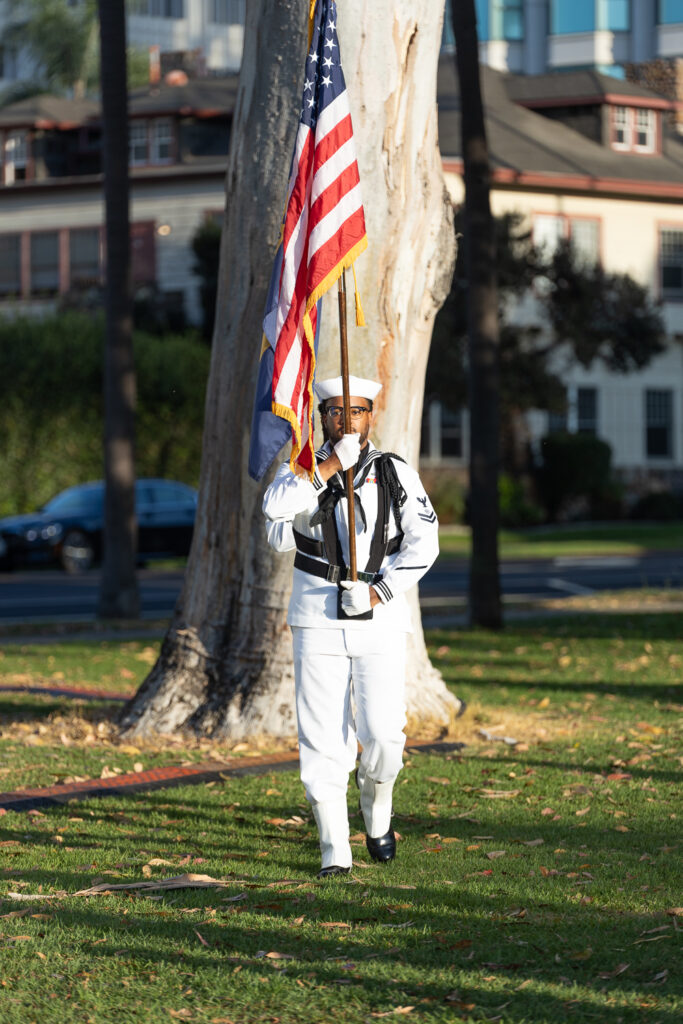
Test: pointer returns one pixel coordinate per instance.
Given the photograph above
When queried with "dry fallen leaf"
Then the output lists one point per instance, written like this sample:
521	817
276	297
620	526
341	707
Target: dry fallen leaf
619	969
201	939
274	955
181	1014
493	854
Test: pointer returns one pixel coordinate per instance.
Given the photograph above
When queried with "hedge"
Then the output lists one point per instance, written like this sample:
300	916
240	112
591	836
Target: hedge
51	406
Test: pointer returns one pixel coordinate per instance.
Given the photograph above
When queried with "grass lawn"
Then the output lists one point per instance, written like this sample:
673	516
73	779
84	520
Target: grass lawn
535	882
590	539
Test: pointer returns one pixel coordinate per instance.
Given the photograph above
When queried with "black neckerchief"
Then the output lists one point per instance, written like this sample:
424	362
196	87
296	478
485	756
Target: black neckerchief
336	490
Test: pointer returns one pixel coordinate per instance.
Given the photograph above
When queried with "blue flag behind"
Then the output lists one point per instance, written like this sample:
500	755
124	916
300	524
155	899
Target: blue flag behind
269	433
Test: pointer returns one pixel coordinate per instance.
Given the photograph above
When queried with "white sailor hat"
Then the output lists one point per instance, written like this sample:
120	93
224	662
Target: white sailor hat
358	386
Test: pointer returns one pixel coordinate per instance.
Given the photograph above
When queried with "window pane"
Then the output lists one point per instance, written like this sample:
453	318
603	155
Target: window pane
621	119
162	140
483	30
585	236
45	263
671	258
137	143
659	422
10	265
645	129
84	255
507	19
567	16
548	230
232	12
670	12
614	15
587	410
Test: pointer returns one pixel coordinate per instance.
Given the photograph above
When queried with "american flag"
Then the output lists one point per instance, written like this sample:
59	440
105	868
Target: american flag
323	230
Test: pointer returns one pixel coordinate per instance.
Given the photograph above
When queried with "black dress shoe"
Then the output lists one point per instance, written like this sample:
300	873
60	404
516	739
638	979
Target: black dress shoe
333	870
383	848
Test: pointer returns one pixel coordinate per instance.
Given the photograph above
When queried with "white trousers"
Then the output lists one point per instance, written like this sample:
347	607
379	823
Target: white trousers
330	666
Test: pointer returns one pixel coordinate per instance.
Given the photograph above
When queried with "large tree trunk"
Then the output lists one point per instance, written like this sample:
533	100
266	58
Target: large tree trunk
119	595
482	298
225	666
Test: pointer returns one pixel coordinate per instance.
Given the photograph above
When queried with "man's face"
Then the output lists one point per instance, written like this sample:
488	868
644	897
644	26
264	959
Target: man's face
361	418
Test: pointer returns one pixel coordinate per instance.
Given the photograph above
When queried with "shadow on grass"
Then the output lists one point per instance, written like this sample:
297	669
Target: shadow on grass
571	688
458	940
597	625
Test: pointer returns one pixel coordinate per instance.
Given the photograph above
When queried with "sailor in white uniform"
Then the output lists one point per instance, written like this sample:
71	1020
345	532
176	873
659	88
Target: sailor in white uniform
350	637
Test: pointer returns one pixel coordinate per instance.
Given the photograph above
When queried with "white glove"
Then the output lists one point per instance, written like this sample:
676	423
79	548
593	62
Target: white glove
356	597
348	450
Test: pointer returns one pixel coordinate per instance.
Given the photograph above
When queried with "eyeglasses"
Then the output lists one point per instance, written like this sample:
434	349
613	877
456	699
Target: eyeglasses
335	411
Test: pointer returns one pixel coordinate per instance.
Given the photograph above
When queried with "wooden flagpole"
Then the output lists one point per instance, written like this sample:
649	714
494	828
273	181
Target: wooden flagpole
350	500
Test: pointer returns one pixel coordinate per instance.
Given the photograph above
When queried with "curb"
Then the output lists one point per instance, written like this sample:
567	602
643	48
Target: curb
173	775
67	691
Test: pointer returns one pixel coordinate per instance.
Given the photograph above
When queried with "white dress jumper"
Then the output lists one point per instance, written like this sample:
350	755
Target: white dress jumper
336	659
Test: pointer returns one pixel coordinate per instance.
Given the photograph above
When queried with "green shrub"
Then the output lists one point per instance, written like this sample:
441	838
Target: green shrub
51	406
446	493
658	505
573	466
515	508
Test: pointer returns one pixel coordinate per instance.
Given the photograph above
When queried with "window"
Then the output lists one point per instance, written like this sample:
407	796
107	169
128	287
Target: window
587	410
557	422
137	143
670	12
567	18
549	230
10	265
159	8
45	263
614	15
671	261
84	256
16	156
644	131
659	423
162	141
232	12
507	19
621	128
585	238
634	129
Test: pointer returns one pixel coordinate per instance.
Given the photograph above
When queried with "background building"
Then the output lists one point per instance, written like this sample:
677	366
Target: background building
534	36
211	31
587	157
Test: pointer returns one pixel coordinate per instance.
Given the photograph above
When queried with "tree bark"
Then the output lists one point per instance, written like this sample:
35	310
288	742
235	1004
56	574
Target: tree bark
225	666
482	296
119	596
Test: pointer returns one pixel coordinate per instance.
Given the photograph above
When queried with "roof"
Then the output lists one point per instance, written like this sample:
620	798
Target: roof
527	148
573	88
47	111
203	97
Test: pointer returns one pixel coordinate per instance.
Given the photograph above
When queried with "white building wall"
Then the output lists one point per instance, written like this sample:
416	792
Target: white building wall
629	245
180	206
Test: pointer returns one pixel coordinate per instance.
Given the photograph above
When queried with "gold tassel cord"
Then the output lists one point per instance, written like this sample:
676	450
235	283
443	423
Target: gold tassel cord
360	316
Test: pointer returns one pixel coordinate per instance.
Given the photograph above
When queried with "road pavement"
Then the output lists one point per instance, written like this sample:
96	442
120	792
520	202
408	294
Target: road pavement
35	596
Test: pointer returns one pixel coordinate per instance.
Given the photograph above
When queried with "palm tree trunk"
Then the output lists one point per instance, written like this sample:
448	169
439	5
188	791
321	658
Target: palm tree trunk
119	595
484	373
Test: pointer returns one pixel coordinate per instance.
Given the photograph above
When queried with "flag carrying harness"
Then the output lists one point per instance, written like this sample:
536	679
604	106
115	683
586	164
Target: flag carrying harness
391	497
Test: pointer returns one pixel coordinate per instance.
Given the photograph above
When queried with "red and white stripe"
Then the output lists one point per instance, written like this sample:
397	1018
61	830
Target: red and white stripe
323	223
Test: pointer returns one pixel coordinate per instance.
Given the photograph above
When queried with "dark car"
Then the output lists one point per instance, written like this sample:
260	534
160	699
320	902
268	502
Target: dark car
68	529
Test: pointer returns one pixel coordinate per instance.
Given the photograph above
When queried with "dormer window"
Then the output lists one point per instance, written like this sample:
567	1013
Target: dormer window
645	128
621	135
634	130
